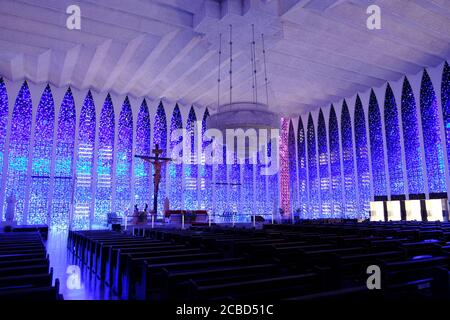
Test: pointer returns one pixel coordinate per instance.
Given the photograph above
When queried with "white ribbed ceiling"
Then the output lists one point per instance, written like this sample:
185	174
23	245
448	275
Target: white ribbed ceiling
319	51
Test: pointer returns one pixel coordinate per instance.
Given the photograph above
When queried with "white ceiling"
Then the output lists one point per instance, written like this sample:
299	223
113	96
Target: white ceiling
319	51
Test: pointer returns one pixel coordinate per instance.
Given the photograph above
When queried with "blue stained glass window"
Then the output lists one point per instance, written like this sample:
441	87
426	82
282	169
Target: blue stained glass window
431	126
377	147
413	154
261	206
18	150
160	138
38	211
292	155
362	161
445	98
314	182
348	163
206	171
176	169
103	196
247	201
221	186
394	153
273	197
335	165
143	188
302	171
63	179
84	165
191	170
124	159
324	174
4	112
234	190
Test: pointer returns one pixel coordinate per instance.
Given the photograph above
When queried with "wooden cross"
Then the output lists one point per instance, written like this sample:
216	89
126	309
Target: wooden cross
157	163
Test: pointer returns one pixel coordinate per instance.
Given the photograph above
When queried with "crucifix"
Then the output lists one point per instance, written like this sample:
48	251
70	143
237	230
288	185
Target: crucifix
157	163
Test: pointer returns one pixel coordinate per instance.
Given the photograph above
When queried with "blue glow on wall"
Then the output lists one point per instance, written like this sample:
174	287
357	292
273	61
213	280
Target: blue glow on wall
143	188
63	191
105	151
160	138
431	126
84	165
273	196
261	205
4	113
292	155
234	190
176	170
377	148
351	209
324	173
18	151
314	183
302	171
123	160
394	152
445	98
247	201
335	165
38	211
362	161
221	186
191	170
413	154
206	171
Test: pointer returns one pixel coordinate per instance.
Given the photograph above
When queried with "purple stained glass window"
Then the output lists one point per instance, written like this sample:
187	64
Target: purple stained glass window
350	209
324	174
160	138
4	112
293	185
314	182
206	171
302	171
175	168
284	168
191	169
335	165
445	98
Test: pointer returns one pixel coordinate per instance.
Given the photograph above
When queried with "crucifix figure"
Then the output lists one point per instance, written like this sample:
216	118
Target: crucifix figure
157	163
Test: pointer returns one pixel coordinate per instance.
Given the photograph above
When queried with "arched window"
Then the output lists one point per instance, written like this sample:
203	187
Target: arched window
335	165
124	160
293	185
103	196
206	170
18	150
362	160
176	167
314	197
38	211
431	127
191	169
445	98
324	173
160	139
348	163
302	170
413	154
63	191
4	113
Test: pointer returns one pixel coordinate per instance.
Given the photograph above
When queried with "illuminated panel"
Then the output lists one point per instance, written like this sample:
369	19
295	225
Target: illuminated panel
394	210
42	154
103	196
18	150
314	183
302	171
247	205
124	159
284	168
63	179
4	111
176	170
206	171
413	210
234	189
143	188
435	208
445	98
160	138
84	165
394	153
323	166
261	205
413	155
191	169
431	127
362	160
292	153
221	185
377	147
335	165
272	180
348	164
376	211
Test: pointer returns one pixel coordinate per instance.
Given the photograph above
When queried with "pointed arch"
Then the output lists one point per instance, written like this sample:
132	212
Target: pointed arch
394	153
38	211
143	188
348	163
413	154
105	159
292	155
160	139
191	169
362	160
176	168
377	148
18	150
431	128
124	159
314	183
302	170
206	170
63	175
335	165
324	174
445	100
4	113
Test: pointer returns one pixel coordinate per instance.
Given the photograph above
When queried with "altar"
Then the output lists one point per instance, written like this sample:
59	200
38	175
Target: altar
190	216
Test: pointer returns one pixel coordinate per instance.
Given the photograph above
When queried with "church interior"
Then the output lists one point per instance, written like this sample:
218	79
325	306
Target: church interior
224	150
